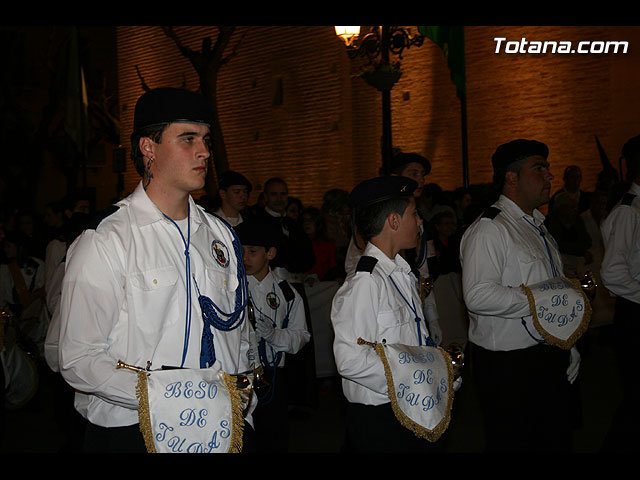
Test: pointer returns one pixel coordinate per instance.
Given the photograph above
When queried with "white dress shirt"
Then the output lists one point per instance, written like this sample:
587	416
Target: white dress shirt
369	306
271	306
124	297
429	307
498	255
620	270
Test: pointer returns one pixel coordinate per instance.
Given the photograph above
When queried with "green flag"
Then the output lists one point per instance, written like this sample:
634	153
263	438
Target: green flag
76	123
451	42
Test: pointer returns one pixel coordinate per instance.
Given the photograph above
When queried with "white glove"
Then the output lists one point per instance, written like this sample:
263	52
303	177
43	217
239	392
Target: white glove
574	365
265	329
432	319
457	383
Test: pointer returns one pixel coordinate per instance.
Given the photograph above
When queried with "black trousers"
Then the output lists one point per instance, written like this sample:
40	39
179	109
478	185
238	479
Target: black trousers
129	439
270	417
113	440
525	398
623	435
375	429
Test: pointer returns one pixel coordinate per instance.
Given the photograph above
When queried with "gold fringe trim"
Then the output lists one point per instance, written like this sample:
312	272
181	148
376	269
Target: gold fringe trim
144	416
418	430
237	418
573	338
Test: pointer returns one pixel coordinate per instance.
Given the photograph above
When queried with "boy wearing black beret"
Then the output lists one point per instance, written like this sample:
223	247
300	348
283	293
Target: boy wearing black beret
277	313
379	302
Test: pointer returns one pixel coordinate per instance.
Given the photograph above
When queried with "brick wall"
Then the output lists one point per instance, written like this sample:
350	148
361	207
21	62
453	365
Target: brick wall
325	132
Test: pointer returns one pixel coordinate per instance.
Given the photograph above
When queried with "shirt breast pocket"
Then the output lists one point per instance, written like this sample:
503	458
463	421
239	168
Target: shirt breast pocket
391	319
154	280
220	279
534	264
154	296
220	286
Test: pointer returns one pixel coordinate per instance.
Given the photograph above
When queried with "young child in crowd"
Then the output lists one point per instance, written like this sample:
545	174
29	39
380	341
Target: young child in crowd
277	313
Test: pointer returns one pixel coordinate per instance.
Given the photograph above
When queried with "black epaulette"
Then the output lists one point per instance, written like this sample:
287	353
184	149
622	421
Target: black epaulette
287	290
491	213
98	217
627	199
366	264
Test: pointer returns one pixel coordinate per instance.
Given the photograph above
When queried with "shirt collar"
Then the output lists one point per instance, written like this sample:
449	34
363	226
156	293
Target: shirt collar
146	212
273	213
512	209
634	189
267	282
387	264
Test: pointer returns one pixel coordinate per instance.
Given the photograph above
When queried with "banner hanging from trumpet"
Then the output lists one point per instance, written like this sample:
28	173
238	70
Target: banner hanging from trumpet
560	310
190	411
420	384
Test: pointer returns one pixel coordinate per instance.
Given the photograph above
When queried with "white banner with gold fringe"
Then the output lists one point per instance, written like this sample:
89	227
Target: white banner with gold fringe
190	411
420	383
560	310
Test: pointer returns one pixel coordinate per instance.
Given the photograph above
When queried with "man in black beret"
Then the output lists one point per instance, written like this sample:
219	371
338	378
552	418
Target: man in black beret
524	383
233	190
411	165
137	281
378	302
159	109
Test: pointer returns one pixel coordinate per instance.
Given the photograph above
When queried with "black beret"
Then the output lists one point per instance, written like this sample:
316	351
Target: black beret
230	177
631	148
401	159
169	105
259	232
515	150
379	189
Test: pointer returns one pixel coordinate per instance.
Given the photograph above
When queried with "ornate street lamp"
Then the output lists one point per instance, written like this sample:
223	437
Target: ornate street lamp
348	34
376	46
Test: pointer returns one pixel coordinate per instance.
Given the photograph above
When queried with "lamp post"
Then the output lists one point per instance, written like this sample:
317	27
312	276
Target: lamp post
376	46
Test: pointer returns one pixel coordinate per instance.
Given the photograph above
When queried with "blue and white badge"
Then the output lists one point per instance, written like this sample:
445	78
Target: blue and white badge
220	252
560	310
273	300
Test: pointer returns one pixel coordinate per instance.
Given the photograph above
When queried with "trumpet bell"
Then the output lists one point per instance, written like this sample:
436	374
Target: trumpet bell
260	382
426	285
589	285
456	352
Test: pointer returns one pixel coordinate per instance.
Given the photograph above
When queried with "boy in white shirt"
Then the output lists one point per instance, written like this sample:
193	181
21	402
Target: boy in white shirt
278	315
379	303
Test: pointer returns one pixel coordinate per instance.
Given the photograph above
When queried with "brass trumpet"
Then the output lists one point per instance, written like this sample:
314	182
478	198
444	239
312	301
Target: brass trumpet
589	285
456	353
260	383
426	285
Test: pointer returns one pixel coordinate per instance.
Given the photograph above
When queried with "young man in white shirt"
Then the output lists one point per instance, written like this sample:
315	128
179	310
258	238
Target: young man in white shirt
233	189
133	280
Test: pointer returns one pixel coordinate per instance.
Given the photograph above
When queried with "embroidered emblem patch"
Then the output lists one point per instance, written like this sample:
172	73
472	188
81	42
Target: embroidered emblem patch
220	252
272	300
